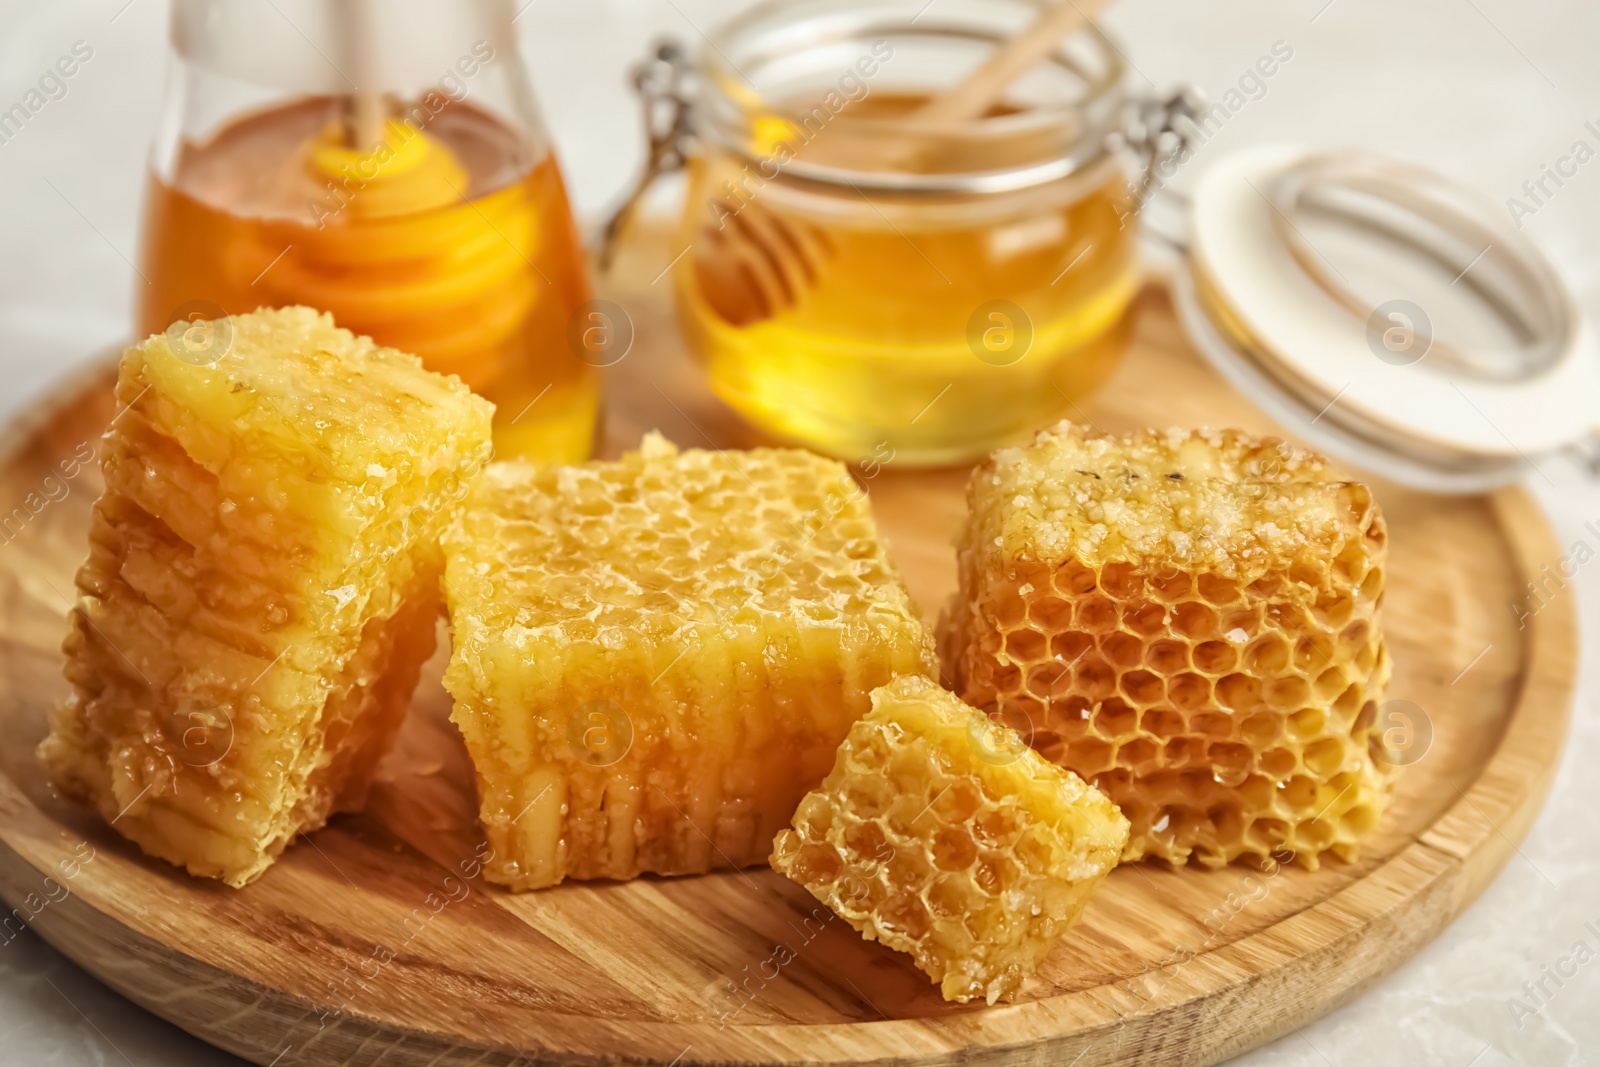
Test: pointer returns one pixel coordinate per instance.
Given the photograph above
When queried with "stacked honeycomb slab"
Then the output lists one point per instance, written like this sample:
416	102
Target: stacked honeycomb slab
1190	621
262	583
655	658
941	834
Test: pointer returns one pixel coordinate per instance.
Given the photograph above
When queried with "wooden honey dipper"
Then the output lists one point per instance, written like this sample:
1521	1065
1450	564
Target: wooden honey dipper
759	264
984	87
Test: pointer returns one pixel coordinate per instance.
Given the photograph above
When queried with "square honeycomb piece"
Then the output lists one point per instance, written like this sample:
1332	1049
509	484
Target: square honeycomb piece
1190	621
262	584
941	834
656	657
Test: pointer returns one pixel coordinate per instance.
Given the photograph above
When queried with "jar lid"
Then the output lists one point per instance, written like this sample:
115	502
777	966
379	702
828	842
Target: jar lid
1387	315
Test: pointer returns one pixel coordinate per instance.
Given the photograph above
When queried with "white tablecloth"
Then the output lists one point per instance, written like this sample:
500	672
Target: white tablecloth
1488	91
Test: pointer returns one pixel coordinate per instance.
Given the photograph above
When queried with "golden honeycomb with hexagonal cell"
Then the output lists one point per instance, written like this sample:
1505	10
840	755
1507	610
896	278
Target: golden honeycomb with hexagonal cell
656	657
941	834
1190	621
262	585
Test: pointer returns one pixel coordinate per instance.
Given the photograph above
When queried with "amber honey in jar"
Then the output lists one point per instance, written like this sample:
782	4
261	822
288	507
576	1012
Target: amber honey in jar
425	210
856	282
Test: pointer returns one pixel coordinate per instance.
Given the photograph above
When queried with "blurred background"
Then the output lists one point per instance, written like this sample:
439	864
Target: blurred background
1488	92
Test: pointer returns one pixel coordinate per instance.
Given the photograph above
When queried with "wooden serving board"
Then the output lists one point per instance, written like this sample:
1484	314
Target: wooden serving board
372	942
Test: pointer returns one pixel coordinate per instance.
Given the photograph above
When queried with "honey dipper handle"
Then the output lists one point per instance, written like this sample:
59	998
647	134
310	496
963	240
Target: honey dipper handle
985	86
356	21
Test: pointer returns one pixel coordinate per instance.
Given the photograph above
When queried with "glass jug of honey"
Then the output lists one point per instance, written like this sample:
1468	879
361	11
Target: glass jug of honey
860	281
385	162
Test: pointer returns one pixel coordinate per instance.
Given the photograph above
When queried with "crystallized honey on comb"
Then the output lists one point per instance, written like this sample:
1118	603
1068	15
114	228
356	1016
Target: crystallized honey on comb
262	584
656	657
941	834
1189	620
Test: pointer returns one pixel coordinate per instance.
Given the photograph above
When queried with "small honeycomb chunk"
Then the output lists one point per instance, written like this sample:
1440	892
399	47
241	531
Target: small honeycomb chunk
262	584
655	658
1190	620
941	834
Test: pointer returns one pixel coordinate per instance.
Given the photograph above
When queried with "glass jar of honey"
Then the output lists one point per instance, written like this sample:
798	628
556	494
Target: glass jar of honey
857	278
385	162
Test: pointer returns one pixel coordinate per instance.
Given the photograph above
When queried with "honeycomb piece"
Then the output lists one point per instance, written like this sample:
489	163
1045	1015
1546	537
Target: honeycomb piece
262	584
1189	620
655	658
941	834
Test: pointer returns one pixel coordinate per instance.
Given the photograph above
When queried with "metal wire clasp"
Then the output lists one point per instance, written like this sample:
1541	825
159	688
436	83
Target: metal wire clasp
1161	132
662	81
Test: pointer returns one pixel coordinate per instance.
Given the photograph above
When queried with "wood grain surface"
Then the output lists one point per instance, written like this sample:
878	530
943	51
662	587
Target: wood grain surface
373	941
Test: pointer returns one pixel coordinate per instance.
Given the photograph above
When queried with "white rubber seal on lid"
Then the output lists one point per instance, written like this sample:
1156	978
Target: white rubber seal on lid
1313	341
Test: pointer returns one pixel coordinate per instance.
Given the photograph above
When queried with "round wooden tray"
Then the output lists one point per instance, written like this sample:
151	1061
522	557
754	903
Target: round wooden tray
366	943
